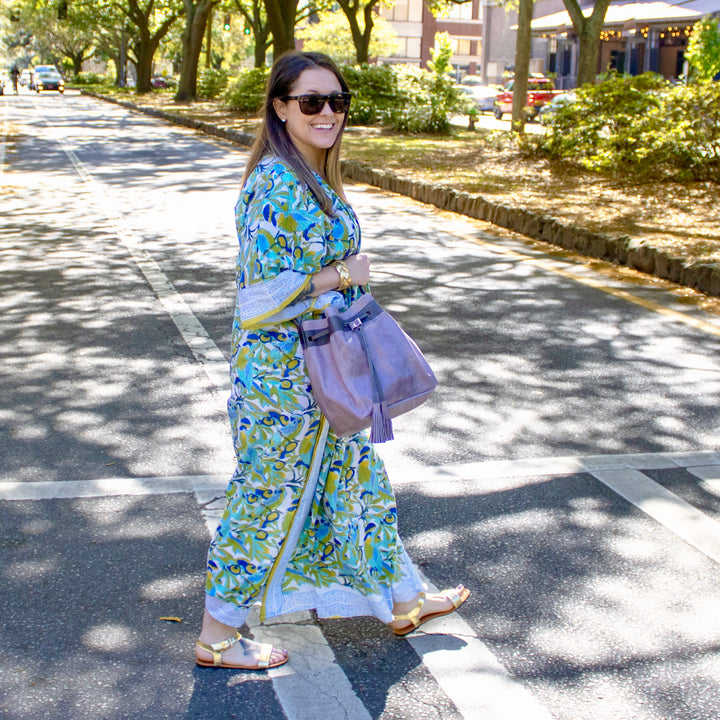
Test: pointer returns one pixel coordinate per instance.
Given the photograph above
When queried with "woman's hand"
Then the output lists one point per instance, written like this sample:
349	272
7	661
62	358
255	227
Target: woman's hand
329	277
359	268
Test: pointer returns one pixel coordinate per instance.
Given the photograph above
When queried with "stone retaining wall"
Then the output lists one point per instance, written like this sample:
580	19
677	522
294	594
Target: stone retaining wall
623	250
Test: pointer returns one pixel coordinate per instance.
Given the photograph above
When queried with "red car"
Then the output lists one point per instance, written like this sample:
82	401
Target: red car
540	91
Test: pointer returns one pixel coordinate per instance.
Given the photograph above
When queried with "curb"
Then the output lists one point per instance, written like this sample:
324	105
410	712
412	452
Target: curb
622	250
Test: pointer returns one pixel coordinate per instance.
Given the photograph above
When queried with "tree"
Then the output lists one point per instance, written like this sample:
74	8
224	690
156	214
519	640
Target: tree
253	12
281	18
361	32
442	94
152	21
59	30
73	36
588	31
332	36
703	51
196	17
522	64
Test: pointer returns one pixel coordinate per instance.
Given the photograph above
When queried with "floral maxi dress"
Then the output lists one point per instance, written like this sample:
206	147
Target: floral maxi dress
310	520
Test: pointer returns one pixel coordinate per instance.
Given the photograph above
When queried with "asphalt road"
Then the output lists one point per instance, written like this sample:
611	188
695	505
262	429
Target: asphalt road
565	470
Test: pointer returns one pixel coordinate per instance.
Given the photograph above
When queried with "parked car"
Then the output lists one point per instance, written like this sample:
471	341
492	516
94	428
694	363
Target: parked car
25	77
163	82
48	79
548	110
540	91
482	96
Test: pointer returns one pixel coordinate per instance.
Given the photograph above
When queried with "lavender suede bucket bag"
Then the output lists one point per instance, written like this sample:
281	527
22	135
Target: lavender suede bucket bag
363	368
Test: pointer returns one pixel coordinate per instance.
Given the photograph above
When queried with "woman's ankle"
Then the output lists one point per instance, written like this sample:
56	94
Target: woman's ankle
213	630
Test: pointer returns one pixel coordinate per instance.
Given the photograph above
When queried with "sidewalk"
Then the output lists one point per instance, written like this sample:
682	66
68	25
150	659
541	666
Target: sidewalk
624	250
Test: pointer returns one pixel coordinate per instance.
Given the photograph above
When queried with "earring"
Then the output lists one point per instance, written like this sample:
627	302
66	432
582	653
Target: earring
283	120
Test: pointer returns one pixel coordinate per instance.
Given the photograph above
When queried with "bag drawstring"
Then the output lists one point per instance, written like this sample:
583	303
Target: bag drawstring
380	420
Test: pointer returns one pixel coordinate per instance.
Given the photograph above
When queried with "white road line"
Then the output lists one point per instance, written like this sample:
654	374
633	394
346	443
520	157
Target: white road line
104	487
401	473
201	345
674	513
469	674
709	476
462	665
3	139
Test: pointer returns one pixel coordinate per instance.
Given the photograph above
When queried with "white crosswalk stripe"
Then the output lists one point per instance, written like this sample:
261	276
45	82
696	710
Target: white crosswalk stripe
313	684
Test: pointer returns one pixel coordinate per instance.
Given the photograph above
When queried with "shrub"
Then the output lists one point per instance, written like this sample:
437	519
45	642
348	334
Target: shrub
247	92
89	78
375	93
690	143
403	97
640	126
211	83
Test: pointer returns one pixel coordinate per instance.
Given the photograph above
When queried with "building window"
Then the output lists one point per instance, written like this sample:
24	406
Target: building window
408	47
459	12
403	11
461	46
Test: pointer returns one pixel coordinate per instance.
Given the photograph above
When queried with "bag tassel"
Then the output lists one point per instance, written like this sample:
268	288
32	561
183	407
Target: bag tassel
381	425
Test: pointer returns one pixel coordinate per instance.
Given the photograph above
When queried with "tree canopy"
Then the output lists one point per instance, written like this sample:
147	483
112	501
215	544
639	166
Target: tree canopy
332	35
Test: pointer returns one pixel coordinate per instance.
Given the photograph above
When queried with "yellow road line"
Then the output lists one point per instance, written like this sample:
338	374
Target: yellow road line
598	284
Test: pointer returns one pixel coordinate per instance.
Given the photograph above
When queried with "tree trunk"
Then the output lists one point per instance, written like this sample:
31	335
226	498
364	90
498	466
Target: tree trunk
77	60
522	65
260	50
281	16
146	43
144	53
254	19
196	17
361	38
588	31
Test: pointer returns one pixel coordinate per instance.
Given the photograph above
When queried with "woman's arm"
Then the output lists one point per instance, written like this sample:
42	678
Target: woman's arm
329	277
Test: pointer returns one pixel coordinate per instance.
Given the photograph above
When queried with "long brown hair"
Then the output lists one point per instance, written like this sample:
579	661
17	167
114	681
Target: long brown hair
273	138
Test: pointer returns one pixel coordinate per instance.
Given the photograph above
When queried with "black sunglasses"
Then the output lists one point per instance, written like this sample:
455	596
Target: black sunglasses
313	104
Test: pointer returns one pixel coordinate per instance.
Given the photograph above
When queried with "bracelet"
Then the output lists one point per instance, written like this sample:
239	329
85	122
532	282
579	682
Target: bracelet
344	273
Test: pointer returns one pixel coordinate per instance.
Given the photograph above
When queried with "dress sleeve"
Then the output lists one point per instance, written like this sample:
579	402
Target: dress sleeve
281	230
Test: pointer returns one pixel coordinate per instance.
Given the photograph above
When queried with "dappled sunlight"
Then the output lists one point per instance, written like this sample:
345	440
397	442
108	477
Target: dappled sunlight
570	572
92	637
528	363
103	382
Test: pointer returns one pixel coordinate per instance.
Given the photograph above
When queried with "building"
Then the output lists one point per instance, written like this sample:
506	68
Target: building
482	33
416	27
637	37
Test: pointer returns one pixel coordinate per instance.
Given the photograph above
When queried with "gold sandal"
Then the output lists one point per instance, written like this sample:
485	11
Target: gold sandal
457	597
217	649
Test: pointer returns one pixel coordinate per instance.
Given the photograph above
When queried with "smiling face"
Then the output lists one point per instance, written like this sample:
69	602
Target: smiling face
312	135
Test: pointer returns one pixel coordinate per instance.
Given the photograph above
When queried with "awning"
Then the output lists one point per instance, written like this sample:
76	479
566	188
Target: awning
642	13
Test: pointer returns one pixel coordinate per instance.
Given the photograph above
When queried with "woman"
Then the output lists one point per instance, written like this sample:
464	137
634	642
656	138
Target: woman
310	518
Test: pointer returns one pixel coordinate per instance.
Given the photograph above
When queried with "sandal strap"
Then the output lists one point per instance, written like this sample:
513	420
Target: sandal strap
454	595
264	657
218	648
414	615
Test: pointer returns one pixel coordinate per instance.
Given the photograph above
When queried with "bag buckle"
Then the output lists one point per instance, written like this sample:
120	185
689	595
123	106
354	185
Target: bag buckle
355	323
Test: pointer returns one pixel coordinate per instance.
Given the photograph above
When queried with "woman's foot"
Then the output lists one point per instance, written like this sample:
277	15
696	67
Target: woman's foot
222	646
411	615
239	653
